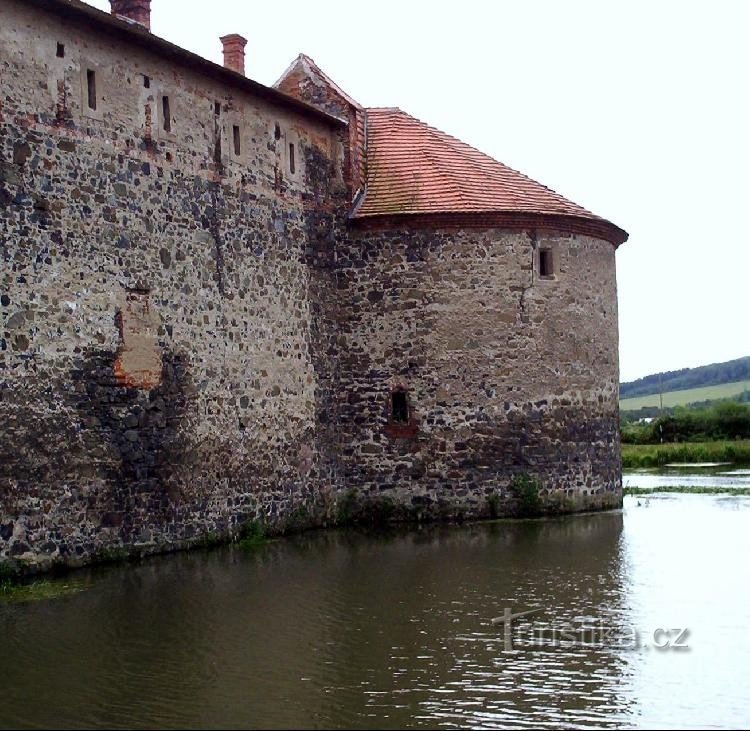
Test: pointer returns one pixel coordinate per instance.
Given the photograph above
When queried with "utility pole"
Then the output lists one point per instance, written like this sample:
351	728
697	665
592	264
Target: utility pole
661	395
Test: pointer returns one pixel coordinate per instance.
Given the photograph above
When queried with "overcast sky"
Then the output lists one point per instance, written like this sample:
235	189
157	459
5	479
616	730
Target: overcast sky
636	110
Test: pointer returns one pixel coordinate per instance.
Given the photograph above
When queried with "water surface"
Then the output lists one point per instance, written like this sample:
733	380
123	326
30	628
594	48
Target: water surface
726	477
344	629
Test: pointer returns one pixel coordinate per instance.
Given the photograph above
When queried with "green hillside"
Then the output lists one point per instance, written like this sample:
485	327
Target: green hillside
687	396
731	371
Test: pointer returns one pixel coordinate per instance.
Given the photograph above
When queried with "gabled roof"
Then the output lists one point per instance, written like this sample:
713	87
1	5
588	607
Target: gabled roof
414	169
305	65
305	80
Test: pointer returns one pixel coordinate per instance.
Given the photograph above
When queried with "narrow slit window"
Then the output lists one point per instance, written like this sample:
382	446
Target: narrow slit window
545	263
91	83
291	158
237	140
61	50
166	114
399	407
217	133
146	82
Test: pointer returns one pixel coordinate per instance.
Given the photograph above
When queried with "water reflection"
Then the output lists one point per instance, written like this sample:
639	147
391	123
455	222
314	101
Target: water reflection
345	629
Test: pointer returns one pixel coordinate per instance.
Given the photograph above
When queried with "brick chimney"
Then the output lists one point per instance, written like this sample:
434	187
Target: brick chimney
139	11
234	52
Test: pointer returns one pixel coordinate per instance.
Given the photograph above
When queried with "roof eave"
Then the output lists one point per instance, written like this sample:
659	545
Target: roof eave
514	220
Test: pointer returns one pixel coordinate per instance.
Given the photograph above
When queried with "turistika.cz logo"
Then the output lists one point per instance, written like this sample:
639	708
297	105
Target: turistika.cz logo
519	633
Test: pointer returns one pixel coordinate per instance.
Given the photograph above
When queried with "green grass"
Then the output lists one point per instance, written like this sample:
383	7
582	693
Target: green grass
687	490
657	455
688	396
12	592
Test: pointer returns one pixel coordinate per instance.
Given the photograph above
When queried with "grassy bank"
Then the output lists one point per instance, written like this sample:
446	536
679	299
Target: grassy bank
687	490
657	455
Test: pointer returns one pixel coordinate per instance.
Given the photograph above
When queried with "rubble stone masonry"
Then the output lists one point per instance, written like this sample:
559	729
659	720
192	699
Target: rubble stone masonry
505	372
192	337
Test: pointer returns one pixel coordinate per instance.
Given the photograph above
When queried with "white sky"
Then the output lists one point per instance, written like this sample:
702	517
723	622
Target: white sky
638	111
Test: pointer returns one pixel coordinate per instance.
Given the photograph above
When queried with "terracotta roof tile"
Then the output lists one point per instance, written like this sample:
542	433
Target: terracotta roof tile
413	168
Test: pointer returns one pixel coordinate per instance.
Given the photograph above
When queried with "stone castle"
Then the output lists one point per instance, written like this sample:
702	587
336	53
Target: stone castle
224	303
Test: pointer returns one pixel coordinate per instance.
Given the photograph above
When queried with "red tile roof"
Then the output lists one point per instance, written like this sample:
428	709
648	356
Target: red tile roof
414	169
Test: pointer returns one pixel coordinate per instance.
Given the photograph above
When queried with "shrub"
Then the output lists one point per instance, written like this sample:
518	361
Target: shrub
378	512
722	420
525	491
493	505
252	534
355	509
346	507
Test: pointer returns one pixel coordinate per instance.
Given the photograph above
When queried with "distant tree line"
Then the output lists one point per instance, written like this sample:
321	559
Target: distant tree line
723	420
708	375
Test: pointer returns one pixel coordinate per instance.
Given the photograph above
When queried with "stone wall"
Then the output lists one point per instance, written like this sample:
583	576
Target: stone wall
163	361
193	338
506	373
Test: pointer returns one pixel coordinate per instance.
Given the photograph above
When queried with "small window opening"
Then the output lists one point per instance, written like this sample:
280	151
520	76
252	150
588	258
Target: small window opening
217	108
237	140
277	131
167	117
91	82
146	82
291	158
61	50
399	407
545	263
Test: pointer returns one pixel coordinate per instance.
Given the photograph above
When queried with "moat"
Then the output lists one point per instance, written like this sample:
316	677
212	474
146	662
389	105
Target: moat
349	629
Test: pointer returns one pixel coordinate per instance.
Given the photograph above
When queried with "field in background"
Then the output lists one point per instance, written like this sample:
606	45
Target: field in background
688	396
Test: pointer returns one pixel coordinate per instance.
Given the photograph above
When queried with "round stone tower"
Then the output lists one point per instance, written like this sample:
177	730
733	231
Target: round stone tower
480	365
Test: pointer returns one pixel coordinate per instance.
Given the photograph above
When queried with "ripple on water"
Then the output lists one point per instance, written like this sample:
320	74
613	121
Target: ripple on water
352	630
